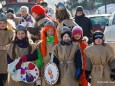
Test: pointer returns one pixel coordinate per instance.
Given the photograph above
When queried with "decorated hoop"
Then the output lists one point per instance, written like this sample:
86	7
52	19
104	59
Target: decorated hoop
51	73
29	72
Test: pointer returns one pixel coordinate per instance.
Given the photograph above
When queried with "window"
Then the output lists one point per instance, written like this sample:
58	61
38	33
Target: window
12	1
21	1
99	20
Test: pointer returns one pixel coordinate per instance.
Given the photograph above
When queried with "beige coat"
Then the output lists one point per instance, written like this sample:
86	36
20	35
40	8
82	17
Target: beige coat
5	38
67	71
99	59
19	52
46	60
41	23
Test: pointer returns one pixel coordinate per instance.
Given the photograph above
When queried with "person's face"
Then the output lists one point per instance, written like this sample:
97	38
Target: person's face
10	16
21	34
79	13
77	36
98	41
45	7
50	32
23	12
66	38
3	25
35	15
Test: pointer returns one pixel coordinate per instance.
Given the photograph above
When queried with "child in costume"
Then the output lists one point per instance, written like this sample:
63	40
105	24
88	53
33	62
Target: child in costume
48	40
23	49
68	58
77	36
100	62
6	36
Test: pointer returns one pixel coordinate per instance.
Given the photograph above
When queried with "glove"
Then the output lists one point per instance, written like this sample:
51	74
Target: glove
87	75
89	79
22	59
112	76
18	65
78	73
56	61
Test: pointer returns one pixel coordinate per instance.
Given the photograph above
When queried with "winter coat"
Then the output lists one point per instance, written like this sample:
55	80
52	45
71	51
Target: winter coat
99	58
19	52
83	44
46	60
85	23
66	56
5	38
40	22
29	21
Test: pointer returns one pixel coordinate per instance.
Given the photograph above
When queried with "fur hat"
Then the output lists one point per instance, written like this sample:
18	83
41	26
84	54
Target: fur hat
79	8
98	34
49	25
60	6
77	30
38	10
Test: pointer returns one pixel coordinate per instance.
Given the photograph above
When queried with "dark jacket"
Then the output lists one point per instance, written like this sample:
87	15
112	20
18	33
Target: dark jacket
85	23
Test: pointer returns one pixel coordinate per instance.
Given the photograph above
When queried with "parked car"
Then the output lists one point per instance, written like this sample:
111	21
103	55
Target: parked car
110	9
99	21
110	30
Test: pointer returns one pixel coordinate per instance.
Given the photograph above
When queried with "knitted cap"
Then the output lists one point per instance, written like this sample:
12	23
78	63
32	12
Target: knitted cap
60	6
77	30
38	10
65	30
79	8
98	34
20	27
49	25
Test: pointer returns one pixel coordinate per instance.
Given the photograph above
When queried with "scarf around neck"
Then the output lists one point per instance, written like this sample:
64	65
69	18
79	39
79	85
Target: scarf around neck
50	39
